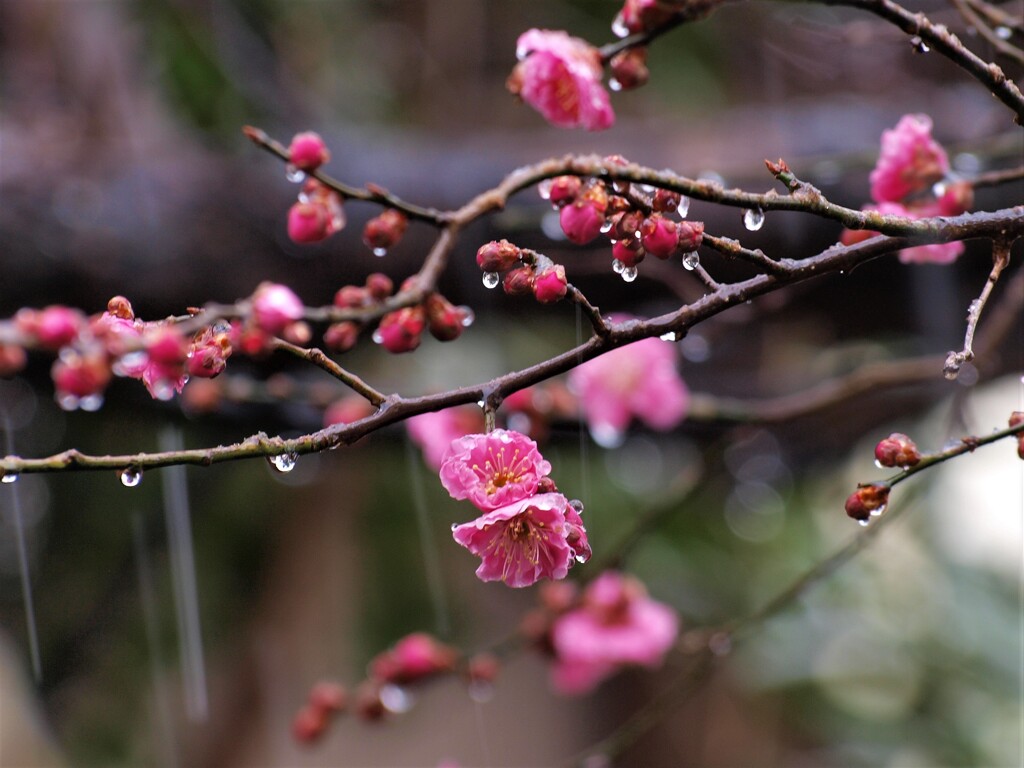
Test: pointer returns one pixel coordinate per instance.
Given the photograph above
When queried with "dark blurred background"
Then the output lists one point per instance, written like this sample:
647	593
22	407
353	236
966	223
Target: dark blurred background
123	171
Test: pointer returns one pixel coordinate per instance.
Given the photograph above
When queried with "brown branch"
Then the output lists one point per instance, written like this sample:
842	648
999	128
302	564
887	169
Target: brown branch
322	361
1003	47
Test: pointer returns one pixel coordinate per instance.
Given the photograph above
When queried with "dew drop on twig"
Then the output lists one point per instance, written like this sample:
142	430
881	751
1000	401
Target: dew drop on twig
691	260
131	477
617	266
380	253
919	45
629	274
491	279
619	28
293	174
683	207
753	219
284	462
9	477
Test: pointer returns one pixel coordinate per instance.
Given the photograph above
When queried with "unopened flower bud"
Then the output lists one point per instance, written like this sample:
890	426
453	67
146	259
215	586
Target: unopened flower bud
400	331
665	200
308	223
550	285
298	332
626	225
483	668
444	319
275	306
630	252
629	68
867	500
385	230
498	255
81	375
581	221
897	450
564	189
367	704
413	658
165	346
691	235
120	307
519	282
12	359
351	296
328	697
341	337
307	151
660	236
53	327
309	724
208	354
379	285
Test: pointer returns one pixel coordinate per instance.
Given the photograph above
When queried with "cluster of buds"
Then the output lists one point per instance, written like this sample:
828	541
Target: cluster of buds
275	310
635	219
318	214
526	272
414	659
342	336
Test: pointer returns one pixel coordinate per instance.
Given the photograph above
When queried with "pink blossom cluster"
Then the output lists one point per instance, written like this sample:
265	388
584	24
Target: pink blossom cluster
528	531
912	179
560	77
638	380
612	625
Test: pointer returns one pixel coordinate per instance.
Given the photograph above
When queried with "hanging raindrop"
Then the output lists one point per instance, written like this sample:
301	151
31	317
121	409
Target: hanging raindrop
284	462
9	477
468	316
670	336
606	227
617	266
863	523
919	45
684	207
491	279
606	435
293	174
619	28
378	337
614	85
380	253
396	699
691	260
480	691
544	189
131	477
1003	33
629	274
753	219
91	403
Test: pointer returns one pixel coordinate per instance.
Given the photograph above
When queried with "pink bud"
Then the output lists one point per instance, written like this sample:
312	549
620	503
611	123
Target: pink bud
498	256
165	346
866	500
444	319
121	308
629	68
274	306
400	331
81	375
53	327
385	230
309	724
643	15
564	189
414	657
12	359
897	450
308	223
629	252
519	281
328	697
625	225
665	200
351	296
379	285
209	354
341	337
957	198
550	284
659	236
691	235
581	221
308	151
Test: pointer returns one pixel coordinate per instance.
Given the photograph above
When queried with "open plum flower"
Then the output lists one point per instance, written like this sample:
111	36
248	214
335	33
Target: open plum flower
560	77
639	380
536	538
493	470
616	625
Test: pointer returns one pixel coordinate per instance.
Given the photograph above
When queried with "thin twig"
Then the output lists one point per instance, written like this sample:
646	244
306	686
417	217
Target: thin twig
322	361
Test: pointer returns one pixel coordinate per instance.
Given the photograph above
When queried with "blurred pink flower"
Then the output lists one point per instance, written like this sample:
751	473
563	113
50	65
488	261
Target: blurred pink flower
522	542
560	77
636	380
434	432
931	253
493	470
911	161
616	625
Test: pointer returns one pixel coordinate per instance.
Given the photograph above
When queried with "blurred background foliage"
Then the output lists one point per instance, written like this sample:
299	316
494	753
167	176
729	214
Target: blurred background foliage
123	171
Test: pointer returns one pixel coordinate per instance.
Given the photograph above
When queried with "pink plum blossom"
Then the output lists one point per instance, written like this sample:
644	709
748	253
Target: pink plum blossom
275	306
638	380
616	625
930	253
910	161
522	542
493	470
560	77
434	432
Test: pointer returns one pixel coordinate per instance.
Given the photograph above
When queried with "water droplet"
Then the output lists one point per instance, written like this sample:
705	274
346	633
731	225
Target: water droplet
670	336
91	403
304	196
377	336
577	505
919	45
544	189
491	279
1003	33
67	402
454	526
863	523
878	511
522	52
284	462
9	477
380	253
468	315
396	699
879	464
939	188
684	207
161	390
614	85
480	691
753	219
293	174
617	266
131	477
619	28
629	274
606	435
606	227
691	260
